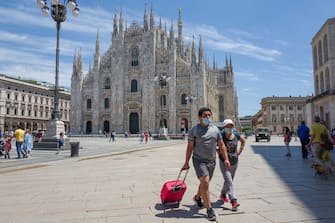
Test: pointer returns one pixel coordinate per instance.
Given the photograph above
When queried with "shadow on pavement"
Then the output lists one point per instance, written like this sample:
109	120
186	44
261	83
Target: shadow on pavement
192	212
317	193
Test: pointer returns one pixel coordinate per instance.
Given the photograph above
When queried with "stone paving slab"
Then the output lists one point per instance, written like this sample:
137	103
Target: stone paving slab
126	188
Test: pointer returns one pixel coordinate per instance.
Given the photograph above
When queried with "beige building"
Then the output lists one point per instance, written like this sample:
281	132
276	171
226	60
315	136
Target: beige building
280	112
149	78
29	104
323	48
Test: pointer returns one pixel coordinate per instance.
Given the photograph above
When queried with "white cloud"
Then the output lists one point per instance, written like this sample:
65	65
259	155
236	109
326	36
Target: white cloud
247	75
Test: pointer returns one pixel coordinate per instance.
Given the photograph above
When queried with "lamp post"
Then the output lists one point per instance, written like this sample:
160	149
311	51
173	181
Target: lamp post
58	14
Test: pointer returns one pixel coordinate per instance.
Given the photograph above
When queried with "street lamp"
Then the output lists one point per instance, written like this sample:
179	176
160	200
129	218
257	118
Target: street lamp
58	13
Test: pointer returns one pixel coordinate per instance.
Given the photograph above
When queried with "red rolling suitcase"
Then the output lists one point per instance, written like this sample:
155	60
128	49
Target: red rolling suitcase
173	191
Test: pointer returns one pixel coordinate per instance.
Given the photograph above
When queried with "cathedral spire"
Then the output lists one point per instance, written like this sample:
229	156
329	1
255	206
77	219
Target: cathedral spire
172	34
97	50
201	52
145	18
194	57
214	62
230	62
79	62
152	19
75	62
115	25
180	35
160	22
121	22
226	61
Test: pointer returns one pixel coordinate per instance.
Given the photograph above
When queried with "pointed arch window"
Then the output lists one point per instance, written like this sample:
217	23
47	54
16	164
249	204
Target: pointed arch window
106	103
89	104
134	57
163	100
133	85
107	83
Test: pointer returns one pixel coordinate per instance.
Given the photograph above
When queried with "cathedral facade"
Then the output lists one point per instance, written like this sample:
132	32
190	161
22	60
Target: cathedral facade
148	79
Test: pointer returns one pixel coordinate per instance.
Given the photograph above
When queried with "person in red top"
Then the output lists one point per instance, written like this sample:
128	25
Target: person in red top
287	140
8	146
146	137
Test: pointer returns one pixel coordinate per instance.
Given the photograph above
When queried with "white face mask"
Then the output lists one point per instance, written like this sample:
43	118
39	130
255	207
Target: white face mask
228	130
206	121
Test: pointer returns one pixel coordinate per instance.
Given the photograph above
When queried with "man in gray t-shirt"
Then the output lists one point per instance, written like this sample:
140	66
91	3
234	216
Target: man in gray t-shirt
202	141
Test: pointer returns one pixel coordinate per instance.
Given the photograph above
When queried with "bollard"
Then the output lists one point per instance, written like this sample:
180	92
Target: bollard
74	149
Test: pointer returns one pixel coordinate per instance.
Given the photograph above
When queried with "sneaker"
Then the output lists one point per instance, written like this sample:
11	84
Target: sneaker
198	201
210	214
234	205
224	198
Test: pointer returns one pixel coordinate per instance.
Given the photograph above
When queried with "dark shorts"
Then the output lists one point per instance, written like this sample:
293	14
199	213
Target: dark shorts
203	168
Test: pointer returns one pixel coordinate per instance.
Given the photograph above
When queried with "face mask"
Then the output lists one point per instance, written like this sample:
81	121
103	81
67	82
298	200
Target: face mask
228	130
206	121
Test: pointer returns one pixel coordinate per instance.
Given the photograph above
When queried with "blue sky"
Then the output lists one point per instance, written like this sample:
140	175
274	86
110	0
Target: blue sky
269	40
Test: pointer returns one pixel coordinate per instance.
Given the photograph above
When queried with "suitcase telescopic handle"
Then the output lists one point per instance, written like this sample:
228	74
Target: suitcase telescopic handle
180	175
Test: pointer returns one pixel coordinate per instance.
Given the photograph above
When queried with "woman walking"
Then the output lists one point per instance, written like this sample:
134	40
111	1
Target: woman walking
230	139
28	143
287	140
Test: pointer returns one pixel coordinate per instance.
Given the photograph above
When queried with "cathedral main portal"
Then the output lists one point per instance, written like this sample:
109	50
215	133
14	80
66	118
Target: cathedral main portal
133	123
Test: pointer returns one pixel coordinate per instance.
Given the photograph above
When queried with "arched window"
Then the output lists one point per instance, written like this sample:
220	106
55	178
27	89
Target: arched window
325	48
320	52
133	85
327	78
89	104
183	99
315	58
106	103
316	85
107	84
322	83
163	100
134	56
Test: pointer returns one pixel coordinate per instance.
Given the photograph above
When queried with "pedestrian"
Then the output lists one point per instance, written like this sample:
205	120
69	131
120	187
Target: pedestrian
126	134
28	143
287	140
19	136
112	138
317	129
303	134
146	137
7	146
61	142
142	137
230	139
202	141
